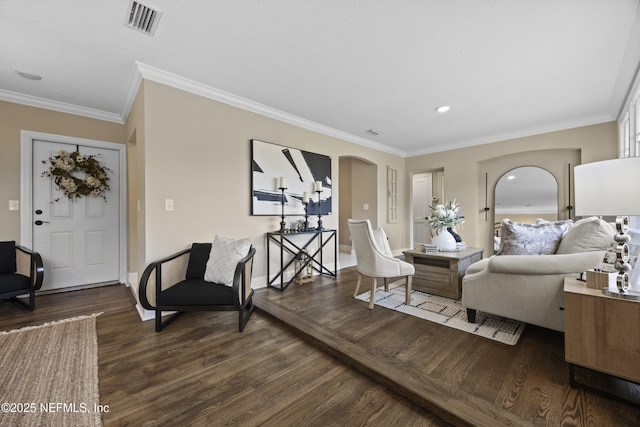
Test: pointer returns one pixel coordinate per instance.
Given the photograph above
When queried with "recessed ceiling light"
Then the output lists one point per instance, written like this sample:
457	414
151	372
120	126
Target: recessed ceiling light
443	109
29	75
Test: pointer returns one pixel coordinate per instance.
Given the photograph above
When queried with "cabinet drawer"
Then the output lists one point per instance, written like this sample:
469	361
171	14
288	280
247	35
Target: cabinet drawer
431	262
433	278
434	283
465	263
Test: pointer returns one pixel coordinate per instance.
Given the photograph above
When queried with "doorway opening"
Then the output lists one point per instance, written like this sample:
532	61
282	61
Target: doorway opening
82	240
358	189
427	190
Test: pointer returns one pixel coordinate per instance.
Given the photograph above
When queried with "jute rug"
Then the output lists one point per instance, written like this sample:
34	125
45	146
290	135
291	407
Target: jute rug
448	312
49	374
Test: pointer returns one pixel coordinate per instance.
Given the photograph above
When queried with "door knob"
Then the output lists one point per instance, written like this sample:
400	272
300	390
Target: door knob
38	222
39	212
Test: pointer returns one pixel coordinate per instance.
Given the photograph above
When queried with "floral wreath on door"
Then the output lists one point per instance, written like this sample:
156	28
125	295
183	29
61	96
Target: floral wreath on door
77	175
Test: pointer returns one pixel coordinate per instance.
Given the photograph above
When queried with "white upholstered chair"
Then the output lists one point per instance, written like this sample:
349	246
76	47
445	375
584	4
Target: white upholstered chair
374	258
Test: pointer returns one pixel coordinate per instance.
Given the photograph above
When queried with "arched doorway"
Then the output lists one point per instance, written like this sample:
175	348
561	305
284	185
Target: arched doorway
358	199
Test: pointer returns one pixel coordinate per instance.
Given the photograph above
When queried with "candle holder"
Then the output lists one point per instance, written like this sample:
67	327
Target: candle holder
306	216
283	223
320	228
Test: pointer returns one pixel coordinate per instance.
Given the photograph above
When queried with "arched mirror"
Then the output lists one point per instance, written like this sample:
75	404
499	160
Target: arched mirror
525	194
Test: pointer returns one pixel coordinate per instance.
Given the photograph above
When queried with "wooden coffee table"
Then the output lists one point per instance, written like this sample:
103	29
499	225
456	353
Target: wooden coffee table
441	273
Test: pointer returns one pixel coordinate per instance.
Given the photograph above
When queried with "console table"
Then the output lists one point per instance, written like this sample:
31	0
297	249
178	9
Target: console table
284	243
441	273
601	332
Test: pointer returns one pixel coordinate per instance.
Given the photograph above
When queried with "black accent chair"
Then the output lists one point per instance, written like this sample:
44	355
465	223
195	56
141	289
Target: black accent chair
21	273
176	283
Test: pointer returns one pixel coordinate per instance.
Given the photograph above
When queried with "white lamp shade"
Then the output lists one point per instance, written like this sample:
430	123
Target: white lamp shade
610	187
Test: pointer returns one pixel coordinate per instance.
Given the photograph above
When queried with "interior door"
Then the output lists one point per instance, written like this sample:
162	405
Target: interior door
77	239
422	194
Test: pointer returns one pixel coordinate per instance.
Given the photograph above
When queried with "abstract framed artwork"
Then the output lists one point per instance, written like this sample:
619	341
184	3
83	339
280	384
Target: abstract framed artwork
302	171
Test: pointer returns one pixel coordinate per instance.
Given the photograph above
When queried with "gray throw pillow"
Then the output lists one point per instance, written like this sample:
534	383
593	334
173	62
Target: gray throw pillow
531	239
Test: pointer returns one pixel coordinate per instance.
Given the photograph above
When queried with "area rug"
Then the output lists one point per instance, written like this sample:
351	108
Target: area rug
49	374
448	312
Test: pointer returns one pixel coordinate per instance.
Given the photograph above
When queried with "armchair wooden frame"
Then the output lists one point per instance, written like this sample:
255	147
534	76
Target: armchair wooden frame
374	259
29	264
167	272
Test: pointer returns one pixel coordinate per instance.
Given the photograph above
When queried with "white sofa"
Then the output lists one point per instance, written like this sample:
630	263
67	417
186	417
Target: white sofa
529	287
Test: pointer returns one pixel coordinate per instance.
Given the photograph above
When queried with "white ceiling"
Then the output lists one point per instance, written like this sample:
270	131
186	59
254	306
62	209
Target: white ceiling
508	68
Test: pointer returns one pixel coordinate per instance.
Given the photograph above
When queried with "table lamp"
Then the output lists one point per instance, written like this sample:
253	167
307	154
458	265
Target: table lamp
611	188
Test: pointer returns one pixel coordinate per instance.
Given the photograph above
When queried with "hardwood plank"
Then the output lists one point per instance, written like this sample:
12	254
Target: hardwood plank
492	383
202	371
435	396
328	360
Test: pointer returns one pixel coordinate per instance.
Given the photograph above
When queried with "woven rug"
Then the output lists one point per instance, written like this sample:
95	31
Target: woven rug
49	374
447	312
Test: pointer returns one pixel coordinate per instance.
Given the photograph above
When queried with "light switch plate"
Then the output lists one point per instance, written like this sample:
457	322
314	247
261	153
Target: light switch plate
168	205
14	205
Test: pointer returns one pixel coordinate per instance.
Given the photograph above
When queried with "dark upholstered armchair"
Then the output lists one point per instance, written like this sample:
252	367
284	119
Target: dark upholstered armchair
21	273
176	283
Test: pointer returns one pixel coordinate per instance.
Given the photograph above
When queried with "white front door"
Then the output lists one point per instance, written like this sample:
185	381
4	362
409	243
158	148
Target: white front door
79	240
422	194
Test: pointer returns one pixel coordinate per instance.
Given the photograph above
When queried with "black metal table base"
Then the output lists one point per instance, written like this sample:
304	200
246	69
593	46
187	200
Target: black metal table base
316	259
602	392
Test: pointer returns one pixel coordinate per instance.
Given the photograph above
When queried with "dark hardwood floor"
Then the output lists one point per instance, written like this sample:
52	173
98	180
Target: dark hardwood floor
201	371
313	355
463	378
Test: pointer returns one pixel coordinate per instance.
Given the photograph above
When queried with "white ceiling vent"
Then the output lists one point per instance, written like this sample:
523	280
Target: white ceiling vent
143	17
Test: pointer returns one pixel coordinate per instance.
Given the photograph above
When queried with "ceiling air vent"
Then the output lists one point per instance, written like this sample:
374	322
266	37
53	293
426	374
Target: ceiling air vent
143	17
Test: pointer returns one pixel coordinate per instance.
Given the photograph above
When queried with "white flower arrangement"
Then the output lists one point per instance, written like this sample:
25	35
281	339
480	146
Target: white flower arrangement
62	168
445	216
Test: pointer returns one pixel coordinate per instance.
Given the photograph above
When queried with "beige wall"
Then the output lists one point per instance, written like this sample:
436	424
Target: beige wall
345	208
466	169
197	152
16	117
135	132
190	149
364	194
358	188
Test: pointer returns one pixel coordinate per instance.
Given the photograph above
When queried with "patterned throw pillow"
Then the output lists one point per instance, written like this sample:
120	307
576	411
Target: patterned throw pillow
531	239
223	259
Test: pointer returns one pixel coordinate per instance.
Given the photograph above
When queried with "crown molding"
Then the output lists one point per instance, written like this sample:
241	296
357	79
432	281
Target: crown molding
132	91
143	71
522	133
62	107
148	72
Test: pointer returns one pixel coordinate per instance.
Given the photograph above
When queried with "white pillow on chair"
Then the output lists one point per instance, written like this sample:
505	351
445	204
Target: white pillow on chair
223	259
